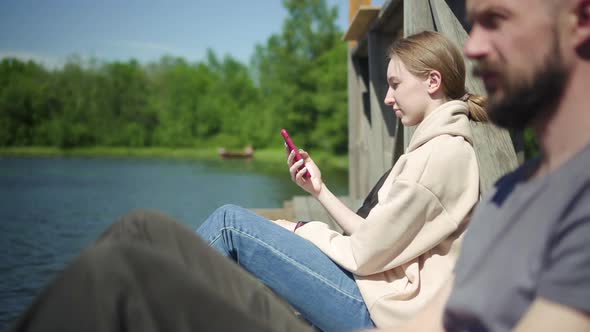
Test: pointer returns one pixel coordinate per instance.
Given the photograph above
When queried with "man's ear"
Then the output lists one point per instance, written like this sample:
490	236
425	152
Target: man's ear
435	81
581	33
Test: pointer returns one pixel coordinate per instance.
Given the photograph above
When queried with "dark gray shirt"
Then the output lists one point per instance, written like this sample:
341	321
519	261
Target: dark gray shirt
529	238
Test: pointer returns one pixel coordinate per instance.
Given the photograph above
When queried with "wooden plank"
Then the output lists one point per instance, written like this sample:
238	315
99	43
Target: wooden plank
447	24
353	203
361	22
361	49
394	133
354	113
417	18
286	212
274	214
495	153
363	131
308	208
381	138
353	7
319	213
493	146
364	174
390	19
301	208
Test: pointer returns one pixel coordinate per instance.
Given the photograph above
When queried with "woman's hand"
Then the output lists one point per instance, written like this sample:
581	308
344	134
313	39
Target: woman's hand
313	184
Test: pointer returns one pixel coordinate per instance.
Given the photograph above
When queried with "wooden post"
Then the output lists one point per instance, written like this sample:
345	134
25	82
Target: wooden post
358	127
493	146
353	7
358	123
382	138
417	18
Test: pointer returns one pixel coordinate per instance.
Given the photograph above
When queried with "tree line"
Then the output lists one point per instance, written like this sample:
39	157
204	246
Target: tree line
296	80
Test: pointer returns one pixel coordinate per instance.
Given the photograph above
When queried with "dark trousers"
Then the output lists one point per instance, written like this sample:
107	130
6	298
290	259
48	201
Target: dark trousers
150	273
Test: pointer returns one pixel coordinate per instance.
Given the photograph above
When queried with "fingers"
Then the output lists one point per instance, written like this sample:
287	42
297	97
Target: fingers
295	168
305	155
300	174
291	156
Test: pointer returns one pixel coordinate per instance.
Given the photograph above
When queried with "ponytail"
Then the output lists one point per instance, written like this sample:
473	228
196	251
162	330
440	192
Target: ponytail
476	107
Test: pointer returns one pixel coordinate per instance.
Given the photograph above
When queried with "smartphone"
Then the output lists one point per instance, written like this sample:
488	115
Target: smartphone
291	146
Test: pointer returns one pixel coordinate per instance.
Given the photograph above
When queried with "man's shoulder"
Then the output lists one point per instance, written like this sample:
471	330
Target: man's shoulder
506	184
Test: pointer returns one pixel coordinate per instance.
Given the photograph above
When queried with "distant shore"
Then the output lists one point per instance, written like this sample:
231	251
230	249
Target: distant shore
268	156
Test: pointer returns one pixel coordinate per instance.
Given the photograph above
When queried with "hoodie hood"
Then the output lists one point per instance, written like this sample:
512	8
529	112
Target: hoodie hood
450	118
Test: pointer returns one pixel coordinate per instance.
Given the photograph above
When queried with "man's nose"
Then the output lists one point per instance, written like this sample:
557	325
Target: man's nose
477	44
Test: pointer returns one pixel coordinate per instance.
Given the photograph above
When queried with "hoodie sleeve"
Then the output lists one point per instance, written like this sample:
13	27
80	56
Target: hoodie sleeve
393	234
419	211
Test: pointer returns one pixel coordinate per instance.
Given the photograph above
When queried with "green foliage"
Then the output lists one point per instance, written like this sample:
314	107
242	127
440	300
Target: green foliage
531	146
296	80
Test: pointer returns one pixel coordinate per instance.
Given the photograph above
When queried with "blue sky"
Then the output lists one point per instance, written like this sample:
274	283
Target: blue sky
51	30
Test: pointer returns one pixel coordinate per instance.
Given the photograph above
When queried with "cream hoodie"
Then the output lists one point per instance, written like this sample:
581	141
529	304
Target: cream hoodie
407	247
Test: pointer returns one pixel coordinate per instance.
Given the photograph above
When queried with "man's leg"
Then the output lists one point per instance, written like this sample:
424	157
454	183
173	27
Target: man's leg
149	273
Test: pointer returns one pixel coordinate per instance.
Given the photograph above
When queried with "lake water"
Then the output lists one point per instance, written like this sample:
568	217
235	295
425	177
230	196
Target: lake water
51	208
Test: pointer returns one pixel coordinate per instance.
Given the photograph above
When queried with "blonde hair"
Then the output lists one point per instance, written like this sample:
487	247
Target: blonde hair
428	50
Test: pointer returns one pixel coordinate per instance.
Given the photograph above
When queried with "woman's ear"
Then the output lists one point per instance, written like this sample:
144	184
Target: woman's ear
434	82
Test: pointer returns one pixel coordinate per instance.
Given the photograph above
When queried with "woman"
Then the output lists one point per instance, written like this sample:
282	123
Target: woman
400	253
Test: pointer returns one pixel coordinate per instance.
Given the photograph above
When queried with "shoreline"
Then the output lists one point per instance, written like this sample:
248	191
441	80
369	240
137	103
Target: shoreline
267	156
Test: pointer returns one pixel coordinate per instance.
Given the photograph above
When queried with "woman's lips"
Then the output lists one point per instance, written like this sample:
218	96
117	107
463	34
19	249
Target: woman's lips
398	112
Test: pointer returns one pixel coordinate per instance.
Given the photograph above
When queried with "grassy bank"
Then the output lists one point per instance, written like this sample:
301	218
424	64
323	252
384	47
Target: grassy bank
267	156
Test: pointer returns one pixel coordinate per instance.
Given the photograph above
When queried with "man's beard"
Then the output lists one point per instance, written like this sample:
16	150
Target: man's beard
528	101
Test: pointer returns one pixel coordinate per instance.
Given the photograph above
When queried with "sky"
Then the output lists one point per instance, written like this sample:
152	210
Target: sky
50	31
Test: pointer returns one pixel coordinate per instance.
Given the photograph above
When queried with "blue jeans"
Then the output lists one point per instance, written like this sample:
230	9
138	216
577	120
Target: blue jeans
294	268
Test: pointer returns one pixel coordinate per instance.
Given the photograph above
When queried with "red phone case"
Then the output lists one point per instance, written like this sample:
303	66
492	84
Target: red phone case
292	147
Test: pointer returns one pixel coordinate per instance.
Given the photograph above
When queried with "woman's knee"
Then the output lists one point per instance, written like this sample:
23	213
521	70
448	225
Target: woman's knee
225	217
229	209
226	213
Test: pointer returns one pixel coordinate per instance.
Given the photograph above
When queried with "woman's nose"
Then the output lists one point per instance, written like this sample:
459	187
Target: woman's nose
389	100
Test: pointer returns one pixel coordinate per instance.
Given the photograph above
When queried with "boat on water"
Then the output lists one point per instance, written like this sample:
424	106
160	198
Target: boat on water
247	153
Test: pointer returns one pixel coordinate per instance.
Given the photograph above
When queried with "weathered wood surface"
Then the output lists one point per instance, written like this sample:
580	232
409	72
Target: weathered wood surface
494	147
359	119
361	21
353	7
372	129
287	212
383	121
417	18
308	208
495	152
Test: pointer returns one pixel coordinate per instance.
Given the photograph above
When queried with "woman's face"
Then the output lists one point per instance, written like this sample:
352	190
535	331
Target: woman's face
407	94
